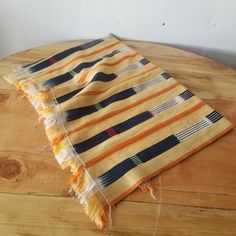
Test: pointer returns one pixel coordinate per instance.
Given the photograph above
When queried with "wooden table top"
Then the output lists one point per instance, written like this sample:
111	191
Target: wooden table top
196	197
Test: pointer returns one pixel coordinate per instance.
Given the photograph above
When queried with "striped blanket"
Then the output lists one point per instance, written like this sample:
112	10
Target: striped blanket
115	119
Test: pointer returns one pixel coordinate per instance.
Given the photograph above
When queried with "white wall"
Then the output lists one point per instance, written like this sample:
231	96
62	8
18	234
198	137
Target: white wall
204	26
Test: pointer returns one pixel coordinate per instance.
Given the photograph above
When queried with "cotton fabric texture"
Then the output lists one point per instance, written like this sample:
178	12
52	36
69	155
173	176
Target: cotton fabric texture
115	119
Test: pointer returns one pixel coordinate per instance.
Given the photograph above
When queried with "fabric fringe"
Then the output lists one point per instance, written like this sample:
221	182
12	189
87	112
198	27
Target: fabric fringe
83	187
86	190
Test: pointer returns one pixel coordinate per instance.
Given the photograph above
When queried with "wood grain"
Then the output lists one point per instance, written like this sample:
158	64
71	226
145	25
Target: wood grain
196	197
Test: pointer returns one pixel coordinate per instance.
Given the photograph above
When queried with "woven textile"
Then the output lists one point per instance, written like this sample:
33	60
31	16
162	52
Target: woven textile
115	119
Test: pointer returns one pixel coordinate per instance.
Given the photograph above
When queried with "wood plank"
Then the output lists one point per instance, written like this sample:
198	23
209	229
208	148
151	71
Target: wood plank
24	174
39	215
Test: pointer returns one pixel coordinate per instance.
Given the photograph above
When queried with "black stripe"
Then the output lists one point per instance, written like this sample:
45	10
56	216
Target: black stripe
32	63
83	111
214	116
100	76
67	96
117	97
166	75
116	172
77	113
146	155
57	80
119	128
97	77
91	142
144	61
186	94
133	121
61	55
67	76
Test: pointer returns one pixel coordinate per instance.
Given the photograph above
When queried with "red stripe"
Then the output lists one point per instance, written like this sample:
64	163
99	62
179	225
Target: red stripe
111	132
52	60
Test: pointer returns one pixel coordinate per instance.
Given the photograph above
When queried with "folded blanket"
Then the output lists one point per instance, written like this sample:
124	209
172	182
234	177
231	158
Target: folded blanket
115	119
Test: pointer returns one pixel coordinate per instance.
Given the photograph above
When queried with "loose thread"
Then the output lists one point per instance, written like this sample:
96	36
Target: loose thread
147	186
158	209
40	119
43	148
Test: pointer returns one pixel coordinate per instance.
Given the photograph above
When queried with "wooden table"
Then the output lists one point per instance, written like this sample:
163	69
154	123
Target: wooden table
196	197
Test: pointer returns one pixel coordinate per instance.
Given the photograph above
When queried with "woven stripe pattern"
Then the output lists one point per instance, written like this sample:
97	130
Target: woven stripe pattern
115	119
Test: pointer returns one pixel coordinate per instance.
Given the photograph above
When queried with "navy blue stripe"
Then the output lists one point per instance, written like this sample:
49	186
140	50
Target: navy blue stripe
61	55
77	113
119	128
166	75
83	111
40	66
146	155
100	76
57	80
117	97
32	63
144	61
133	121
214	116
116	172
67	96
91	142
158	148
67	76
186	94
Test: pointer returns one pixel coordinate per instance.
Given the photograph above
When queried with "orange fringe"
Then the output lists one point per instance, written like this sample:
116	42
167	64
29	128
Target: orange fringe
75	177
93	206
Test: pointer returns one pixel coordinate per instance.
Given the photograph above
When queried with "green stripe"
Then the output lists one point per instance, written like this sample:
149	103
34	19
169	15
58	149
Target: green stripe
98	106
136	160
136	163
73	73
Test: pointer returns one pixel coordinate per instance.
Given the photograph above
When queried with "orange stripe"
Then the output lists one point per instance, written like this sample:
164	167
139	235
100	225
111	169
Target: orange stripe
102	91
84	76
142	135
89	93
118	61
113	113
122	196
76	58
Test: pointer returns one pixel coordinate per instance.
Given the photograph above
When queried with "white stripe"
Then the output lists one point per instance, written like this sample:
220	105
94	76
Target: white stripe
193	129
148	84
167	105
163	107
191	132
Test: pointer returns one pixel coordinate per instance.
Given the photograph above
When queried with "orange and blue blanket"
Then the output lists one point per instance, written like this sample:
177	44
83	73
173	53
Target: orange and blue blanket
115	119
